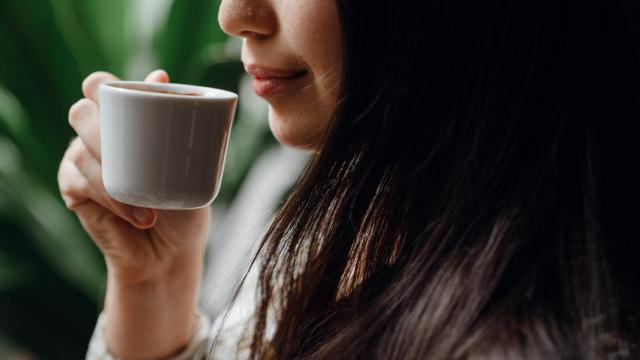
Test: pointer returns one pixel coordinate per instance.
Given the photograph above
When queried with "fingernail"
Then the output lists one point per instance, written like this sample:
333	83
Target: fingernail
143	216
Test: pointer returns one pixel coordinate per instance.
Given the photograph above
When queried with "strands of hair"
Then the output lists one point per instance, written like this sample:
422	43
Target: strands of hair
473	196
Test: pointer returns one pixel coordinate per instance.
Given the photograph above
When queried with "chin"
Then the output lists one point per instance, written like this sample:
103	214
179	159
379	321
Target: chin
293	133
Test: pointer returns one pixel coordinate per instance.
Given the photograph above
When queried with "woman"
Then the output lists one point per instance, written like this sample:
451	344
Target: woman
470	193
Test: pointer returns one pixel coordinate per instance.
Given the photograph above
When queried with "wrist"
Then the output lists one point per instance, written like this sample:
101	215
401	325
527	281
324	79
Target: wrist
149	270
152	316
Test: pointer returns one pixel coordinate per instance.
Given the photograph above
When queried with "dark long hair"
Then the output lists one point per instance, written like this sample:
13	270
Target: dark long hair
474	196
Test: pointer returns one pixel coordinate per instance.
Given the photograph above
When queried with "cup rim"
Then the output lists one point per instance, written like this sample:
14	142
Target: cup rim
204	92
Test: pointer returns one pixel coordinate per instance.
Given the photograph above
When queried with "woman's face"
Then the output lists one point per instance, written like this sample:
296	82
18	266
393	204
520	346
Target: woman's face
293	49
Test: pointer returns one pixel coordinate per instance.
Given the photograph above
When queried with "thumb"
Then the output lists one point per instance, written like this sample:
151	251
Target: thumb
157	76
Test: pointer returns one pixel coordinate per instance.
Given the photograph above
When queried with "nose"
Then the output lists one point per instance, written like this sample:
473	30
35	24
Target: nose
247	18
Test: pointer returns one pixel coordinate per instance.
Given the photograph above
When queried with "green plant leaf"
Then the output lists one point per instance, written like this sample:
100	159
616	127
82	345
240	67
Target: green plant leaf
103	24
39	309
181	43
12	119
39	69
54	229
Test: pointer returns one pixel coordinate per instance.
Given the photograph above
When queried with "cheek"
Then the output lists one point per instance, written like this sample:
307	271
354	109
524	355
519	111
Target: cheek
313	33
317	37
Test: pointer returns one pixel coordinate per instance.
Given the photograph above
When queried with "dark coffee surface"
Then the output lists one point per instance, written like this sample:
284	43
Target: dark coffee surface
157	91
170	92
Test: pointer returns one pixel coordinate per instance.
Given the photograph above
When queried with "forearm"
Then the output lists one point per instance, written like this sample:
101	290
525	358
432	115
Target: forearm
156	318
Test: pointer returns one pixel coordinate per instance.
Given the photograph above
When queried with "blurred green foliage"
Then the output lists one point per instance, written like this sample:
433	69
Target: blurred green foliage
51	275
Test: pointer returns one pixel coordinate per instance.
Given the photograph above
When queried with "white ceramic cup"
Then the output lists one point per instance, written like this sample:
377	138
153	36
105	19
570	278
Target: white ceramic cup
164	145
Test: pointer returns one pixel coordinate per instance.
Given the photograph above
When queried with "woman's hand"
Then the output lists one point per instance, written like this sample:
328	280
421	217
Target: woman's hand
153	257
139	244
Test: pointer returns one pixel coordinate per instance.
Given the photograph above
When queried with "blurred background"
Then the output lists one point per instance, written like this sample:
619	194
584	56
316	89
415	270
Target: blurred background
51	276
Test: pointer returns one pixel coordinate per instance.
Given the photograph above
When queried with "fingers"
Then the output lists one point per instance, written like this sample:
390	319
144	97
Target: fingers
101	222
91	84
157	76
105	228
90	169
84	118
74	187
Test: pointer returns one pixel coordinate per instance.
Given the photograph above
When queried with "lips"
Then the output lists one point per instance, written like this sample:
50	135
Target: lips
268	81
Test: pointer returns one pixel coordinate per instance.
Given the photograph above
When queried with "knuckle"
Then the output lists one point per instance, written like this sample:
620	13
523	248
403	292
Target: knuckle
73	185
68	202
60	173
78	111
63	177
71	195
95	78
79	155
84	186
72	144
80	208
72	204
73	147
63	186
81	160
